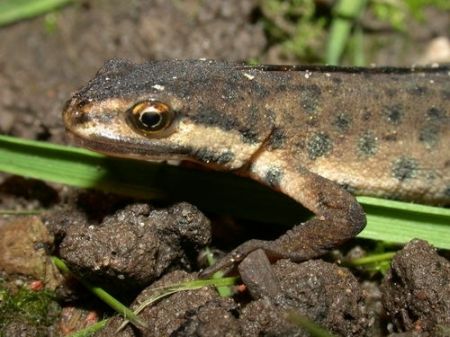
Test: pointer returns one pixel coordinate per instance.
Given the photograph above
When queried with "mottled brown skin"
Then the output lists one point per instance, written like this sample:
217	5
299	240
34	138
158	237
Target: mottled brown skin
313	133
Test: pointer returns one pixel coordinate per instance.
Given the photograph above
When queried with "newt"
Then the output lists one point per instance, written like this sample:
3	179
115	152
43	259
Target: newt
315	133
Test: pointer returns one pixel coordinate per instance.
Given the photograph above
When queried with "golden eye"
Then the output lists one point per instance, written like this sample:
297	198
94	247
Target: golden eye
150	116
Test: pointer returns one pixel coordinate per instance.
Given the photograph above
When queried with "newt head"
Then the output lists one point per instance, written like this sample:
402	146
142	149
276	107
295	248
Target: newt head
200	111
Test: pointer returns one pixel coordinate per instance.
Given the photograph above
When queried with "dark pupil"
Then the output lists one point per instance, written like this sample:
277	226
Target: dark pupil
151	119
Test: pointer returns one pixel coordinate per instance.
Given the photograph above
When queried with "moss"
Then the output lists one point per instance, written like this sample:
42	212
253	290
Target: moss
295	26
24	307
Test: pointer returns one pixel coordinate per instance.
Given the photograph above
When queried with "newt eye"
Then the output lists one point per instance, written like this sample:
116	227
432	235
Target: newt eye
150	116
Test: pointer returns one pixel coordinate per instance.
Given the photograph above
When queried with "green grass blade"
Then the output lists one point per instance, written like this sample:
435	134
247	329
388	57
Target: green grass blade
396	221
103	295
345	11
90	330
73	166
357	48
372	259
161	292
15	10
218	192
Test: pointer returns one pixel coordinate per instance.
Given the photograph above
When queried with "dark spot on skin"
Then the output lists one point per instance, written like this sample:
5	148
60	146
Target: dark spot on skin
367	144
430	131
225	157
435	114
404	168
418	91
249	136
206	156
342	122
393	114
273	176
319	145
310	97
277	139
429	134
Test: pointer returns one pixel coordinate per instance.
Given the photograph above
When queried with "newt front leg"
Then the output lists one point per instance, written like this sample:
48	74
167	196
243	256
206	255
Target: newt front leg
338	216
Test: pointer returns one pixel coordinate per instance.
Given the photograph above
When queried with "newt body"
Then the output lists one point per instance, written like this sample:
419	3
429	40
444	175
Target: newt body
313	133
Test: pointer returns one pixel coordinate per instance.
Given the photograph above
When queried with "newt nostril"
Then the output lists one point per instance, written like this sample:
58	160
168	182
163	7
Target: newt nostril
75	112
73	117
80	117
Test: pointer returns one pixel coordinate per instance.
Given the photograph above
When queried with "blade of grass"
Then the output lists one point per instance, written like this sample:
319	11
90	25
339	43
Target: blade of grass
103	295
395	221
165	291
15	10
375	258
346	12
223	291
73	166
218	192
90	330
358	48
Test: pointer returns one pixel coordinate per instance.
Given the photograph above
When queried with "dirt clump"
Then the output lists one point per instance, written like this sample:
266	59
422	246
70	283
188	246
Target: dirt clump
416	291
136	245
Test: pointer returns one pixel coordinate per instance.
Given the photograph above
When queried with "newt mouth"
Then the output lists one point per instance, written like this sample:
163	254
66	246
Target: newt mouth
148	152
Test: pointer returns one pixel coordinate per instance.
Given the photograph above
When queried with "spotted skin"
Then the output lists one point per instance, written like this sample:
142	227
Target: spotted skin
405	168
367	144
394	114
319	145
313	133
274	176
342	122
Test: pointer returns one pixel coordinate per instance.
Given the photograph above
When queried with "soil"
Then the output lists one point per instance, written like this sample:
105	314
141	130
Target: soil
131	247
135	246
416	290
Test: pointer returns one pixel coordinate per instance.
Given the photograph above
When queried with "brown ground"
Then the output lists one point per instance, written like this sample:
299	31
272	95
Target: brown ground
40	67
